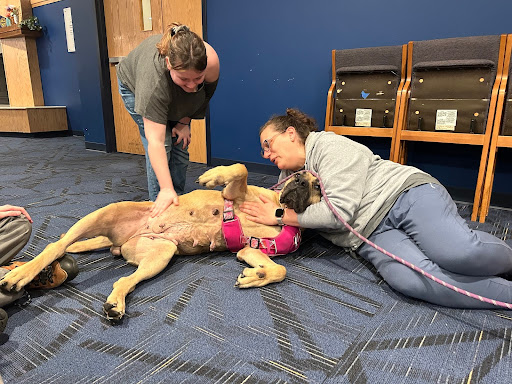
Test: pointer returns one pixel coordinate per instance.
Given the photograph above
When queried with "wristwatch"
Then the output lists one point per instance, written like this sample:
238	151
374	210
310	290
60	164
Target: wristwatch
279	216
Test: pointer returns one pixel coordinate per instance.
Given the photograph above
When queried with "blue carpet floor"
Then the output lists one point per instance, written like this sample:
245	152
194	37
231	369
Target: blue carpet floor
333	320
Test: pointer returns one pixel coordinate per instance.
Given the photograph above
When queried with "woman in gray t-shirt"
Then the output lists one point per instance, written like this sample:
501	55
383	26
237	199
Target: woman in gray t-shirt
166	81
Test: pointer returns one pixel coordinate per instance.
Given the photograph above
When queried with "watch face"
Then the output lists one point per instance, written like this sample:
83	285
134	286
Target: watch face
279	212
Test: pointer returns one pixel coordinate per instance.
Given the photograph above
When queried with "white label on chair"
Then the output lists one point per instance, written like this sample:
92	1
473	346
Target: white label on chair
363	117
446	119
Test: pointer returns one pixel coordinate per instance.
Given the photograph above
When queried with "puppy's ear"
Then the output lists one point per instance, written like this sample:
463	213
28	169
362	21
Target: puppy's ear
316	191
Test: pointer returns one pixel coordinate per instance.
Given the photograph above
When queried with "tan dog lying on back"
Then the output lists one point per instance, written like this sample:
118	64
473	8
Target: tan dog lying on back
191	228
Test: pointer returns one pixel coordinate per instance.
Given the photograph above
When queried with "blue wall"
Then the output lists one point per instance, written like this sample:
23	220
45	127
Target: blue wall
274	55
277	54
72	78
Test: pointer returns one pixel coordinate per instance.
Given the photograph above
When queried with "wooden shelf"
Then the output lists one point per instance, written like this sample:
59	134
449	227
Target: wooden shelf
16	31
443	137
360	131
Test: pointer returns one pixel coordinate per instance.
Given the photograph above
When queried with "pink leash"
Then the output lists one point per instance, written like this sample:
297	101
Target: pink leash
400	260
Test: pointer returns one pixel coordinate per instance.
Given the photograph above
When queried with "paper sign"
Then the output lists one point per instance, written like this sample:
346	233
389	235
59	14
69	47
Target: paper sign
363	117
68	25
446	119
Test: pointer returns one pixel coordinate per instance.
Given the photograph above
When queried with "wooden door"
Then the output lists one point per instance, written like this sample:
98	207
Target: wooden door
124	28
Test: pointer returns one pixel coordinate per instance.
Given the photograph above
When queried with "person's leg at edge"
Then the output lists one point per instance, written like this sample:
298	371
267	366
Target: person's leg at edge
14	234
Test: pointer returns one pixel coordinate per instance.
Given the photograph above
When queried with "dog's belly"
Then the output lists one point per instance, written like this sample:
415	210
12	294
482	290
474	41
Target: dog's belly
194	225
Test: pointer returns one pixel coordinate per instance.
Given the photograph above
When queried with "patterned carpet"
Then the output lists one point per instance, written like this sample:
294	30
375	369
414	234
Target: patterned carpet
333	320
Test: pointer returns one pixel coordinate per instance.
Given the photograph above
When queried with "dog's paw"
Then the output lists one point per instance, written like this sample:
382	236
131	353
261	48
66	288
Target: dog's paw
261	276
212	178
15	280
112	312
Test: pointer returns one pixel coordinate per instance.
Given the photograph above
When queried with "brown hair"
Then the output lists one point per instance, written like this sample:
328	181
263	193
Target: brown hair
184	48
302	123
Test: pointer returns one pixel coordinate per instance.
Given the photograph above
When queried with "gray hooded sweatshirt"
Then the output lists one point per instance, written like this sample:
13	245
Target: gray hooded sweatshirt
360	185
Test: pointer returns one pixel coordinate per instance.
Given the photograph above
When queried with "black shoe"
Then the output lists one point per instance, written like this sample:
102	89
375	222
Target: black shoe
3	320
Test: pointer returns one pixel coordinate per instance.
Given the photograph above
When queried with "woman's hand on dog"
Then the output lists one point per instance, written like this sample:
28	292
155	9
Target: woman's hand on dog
262	212
165	198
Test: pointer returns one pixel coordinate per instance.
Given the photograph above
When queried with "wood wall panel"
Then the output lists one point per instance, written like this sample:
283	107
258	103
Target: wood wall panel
38	3
13	121
124	25
186	12
22	74
127	132
197	147
33	119
47	119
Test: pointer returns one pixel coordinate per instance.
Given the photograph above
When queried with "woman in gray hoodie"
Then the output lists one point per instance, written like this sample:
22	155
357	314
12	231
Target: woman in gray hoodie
400	208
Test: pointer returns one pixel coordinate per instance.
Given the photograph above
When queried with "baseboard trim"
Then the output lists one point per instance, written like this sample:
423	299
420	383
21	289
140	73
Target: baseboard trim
36	134
95	146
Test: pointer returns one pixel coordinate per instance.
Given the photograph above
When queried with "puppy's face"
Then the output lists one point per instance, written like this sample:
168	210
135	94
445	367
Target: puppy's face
300	192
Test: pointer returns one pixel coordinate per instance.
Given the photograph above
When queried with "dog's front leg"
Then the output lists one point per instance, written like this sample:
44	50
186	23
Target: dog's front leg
151	256
89	226
264	271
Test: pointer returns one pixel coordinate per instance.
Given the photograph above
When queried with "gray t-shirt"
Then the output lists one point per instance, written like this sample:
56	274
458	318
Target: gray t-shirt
157	97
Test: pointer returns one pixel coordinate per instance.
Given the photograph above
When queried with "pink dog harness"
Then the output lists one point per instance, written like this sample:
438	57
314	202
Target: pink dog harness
286	242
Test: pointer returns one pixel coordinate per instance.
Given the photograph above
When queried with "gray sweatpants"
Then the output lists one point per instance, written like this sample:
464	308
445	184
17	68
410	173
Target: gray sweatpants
424	228
14	234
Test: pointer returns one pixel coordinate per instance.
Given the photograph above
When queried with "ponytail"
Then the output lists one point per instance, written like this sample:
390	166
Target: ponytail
184	48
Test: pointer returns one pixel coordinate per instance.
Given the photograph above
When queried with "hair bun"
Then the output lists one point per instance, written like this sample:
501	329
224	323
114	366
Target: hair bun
300	116
178	29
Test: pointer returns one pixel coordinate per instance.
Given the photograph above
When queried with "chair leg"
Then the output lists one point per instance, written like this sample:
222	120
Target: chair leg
487	189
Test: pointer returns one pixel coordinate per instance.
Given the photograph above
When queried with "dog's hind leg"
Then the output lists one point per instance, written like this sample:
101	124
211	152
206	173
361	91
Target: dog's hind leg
151	256
264	271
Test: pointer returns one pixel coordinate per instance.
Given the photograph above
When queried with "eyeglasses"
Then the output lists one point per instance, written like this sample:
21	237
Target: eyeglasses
265	147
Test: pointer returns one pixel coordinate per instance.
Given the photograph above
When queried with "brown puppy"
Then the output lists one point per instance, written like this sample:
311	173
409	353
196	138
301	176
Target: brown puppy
191	228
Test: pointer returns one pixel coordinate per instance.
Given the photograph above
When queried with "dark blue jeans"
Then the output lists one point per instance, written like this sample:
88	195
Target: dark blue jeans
424	228
177	157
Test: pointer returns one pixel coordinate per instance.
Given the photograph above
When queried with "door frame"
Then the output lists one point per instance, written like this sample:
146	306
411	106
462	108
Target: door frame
105	88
